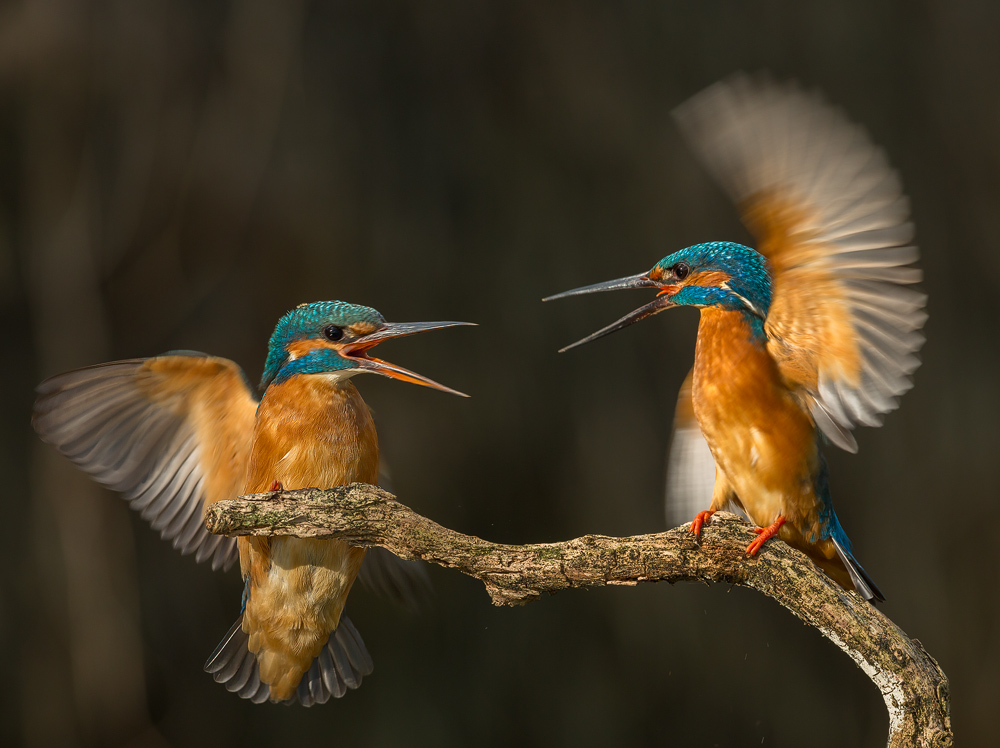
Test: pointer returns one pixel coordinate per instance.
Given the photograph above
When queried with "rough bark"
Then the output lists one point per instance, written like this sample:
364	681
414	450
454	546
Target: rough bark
913	685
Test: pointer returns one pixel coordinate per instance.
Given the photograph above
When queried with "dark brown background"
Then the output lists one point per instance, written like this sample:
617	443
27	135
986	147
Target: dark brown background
179	174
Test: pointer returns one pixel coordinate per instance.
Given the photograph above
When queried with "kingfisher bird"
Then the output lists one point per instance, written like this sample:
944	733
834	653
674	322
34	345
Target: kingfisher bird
177	432
800	341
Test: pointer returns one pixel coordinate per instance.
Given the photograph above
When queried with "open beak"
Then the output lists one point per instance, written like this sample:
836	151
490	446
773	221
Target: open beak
642	280
358	351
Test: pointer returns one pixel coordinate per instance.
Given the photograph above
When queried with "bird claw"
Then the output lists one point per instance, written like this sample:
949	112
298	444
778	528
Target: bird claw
763	535
700	520
276	486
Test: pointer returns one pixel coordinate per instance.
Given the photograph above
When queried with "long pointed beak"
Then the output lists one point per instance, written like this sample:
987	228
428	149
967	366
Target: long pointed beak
641	280
656	306
359	352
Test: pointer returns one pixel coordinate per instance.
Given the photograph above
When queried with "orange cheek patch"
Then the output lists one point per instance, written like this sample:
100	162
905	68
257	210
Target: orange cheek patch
299	348
710	278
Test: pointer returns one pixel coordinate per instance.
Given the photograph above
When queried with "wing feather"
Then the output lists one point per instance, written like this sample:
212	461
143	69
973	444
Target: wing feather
404	582
171	433
690	465
828	212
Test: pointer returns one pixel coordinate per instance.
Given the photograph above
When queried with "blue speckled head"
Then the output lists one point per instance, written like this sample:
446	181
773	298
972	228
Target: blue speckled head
308	322
723	274
333	337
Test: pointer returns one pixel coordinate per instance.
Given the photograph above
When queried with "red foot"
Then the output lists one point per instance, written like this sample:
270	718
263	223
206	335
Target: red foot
276	486
763	535
699	521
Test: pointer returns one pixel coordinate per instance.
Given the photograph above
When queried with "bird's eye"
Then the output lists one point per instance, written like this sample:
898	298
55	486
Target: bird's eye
332	332
681	270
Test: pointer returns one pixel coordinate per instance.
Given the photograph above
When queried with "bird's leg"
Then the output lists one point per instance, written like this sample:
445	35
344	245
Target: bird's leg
763	535
276	486
700	520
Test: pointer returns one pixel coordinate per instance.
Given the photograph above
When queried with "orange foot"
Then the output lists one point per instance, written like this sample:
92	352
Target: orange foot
763	535
276	486
699	521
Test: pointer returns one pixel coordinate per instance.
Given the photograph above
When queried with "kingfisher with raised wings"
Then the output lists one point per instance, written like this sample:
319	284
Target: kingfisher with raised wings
800	340
177	432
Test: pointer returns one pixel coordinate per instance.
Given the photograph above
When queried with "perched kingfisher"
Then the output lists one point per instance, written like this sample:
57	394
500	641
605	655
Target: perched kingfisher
799	342
179	431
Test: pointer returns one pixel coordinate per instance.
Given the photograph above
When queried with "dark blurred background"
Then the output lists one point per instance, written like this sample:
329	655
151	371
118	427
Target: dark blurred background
179	174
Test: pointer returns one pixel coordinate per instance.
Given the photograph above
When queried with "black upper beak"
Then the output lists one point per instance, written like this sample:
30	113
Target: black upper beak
641	280
402	329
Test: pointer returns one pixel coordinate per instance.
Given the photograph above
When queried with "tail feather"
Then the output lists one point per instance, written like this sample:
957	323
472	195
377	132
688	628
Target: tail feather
235	667
331	671
255	690
862	582
242	677
227	657
311	688
341	665
357	653
340	662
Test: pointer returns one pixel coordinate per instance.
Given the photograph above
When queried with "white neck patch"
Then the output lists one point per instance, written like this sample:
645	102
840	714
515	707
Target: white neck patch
744	299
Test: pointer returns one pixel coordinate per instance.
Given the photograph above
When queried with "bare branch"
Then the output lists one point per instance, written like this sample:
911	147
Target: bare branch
911	682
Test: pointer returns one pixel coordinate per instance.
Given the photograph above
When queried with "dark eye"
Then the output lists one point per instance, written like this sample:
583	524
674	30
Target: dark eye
681	270
332	332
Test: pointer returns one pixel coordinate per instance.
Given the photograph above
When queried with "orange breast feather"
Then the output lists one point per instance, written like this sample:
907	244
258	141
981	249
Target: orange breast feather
763	441
310	432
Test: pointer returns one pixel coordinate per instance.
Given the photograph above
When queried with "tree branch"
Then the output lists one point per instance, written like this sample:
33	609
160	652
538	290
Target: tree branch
913	685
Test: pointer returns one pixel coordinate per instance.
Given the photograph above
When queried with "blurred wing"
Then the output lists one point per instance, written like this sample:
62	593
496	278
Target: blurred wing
690	465
830	215
172	433
402	581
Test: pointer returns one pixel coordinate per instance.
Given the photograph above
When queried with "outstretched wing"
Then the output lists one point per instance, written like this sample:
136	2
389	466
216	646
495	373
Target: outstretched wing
829	213
172	433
